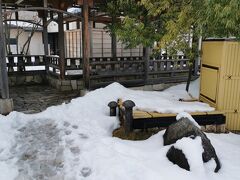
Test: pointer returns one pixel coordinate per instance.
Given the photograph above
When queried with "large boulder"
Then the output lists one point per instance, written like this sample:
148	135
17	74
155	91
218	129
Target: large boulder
186	128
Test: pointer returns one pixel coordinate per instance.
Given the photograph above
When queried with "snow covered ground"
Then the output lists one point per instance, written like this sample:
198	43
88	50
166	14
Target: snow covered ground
74	142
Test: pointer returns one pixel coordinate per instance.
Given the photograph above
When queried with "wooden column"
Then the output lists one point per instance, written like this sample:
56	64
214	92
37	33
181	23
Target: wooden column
114	41
91	38
45	31
61	46
3	66
67	25
78	24
146	56
86	44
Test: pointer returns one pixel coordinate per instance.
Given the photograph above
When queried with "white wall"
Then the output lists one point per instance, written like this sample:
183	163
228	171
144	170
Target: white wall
36	45
101	45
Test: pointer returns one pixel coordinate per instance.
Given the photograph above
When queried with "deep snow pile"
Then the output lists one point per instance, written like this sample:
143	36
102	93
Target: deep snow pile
73	141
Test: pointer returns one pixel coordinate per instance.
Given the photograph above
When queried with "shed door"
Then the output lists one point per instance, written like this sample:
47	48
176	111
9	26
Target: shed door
209	83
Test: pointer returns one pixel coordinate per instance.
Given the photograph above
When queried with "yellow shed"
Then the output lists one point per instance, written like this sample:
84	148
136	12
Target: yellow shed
220	78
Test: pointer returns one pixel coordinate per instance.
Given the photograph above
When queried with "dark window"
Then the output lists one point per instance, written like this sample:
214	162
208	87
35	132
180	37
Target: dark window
13	41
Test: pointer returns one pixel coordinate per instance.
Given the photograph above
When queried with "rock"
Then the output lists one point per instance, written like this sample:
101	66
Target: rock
176	156
185	128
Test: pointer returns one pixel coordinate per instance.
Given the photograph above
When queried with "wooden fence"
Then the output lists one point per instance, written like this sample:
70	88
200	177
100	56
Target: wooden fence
104	70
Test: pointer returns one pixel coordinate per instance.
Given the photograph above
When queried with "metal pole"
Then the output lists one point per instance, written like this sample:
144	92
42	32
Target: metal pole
3	66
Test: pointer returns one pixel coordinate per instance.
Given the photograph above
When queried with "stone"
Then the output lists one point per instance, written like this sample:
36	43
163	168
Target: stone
29	79
221	128
83	92
137	88
66	88
158	87
66	83
37	79
20	80
186	128
74	84
6	106
203	128
176	156
211	128
80	83
148	87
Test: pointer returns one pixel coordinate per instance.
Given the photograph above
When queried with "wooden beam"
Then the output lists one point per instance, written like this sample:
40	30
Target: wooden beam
61	45
3	66
86	44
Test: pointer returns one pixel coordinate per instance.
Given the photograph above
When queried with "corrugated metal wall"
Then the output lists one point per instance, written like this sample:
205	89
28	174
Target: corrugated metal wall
224	57
101	45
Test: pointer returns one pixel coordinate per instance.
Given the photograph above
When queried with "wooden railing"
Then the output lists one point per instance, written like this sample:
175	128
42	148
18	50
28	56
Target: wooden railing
26	64
52	65
129	71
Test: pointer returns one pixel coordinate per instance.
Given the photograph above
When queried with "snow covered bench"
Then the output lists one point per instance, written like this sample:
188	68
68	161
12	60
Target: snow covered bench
134	119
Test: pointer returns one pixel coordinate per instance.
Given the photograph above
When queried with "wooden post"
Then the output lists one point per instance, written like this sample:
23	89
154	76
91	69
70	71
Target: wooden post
86	45
45	32
114	41
78	24
128	121
67	25
146	55
61	45
113	108
91	38
3	66
45	35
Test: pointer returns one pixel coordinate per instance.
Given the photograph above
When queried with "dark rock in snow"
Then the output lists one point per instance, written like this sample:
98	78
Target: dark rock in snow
186	128
176	156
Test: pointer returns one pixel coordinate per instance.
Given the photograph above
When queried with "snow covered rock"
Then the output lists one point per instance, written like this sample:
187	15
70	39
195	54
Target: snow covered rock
178	157
186	128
